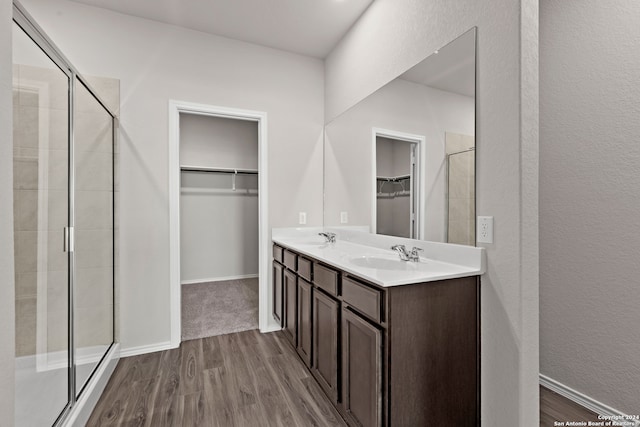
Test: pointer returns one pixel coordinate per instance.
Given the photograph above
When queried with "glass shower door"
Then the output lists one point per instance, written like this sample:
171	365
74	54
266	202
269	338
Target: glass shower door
41	215
93	282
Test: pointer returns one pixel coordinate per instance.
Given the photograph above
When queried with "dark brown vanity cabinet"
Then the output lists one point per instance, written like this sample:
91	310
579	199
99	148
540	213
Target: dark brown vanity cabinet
277	292
277	295
386	356
304	320
325	324
290	291
361	370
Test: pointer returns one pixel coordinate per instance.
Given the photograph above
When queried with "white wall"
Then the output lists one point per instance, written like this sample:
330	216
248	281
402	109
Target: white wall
590	198
394	35
400	106
7	285
218	227
156	62
218	142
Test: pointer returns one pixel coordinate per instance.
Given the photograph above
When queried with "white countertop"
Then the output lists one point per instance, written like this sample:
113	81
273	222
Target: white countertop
369	256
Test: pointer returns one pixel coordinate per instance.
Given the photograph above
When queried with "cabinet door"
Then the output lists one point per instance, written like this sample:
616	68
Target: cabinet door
361	370
277	292
289	282
325	342
304	320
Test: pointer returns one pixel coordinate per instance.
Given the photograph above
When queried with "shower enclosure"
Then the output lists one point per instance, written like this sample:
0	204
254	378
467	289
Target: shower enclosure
64	236
461	198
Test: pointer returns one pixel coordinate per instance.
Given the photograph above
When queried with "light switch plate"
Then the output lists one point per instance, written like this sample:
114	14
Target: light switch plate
484	229
344	217
302	218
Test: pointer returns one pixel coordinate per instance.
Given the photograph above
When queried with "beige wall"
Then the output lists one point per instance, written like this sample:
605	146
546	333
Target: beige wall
7	293
394	35
155	63
590	198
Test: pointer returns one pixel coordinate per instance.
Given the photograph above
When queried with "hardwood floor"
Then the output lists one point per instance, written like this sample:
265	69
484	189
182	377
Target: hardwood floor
554	407
241	379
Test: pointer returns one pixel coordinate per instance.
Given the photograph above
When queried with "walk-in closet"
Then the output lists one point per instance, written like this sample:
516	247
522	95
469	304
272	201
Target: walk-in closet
395	181
218	225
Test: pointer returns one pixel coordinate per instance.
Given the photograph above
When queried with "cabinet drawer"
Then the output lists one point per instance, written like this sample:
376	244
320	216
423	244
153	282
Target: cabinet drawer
304	268
325	278
277	253
363	298
290	260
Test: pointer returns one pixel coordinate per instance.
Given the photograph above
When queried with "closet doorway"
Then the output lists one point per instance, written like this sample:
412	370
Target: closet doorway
218	220
396	166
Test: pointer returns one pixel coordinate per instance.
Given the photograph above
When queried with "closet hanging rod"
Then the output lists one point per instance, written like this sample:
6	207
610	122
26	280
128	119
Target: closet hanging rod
393	178
218	170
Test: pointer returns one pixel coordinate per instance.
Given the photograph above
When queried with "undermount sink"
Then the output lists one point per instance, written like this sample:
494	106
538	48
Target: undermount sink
383	263
312	242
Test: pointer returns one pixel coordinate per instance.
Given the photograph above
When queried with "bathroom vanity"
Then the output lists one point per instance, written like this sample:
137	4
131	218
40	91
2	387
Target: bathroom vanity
391	343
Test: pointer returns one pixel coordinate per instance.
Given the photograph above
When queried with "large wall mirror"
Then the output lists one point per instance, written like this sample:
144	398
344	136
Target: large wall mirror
402	161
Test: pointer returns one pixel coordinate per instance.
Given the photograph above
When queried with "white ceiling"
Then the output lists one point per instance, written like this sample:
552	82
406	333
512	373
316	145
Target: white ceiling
308	27
451	69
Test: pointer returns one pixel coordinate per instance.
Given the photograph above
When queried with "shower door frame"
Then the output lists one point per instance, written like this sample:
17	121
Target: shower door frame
75	407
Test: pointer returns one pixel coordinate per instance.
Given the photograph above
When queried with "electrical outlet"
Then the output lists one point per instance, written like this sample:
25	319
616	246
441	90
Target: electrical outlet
484	229
302	218
344	217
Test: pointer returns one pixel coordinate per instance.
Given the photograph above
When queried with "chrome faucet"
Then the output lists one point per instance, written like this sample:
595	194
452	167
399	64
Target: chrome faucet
328	237
406	256
402	252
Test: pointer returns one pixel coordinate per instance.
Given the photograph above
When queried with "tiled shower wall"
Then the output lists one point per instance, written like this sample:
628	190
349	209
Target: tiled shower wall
40	212
40	209
461	227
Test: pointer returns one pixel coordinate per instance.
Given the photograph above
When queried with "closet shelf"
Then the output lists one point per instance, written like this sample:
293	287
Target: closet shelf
393	178
187	168
393	194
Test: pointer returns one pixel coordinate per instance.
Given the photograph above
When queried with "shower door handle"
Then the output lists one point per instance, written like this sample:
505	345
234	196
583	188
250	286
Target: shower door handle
68	239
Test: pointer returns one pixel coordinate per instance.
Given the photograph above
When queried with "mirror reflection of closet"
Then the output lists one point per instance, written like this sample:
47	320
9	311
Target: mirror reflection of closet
395	187
432	99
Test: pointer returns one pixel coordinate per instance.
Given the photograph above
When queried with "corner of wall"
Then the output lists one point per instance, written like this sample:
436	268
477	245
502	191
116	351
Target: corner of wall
529	200
7	292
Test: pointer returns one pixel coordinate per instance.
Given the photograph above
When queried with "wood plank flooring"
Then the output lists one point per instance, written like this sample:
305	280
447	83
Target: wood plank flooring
242	379
554	407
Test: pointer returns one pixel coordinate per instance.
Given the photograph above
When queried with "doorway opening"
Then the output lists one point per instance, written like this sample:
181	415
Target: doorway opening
396	166
218	221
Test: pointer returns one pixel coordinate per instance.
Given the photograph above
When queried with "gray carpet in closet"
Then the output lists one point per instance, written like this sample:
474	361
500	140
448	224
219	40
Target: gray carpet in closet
217	308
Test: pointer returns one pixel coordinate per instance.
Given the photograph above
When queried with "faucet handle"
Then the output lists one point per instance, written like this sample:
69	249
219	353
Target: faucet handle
415	256
329	237
396	247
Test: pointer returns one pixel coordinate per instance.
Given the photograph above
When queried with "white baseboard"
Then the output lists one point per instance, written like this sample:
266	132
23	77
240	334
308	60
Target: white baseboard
270	328
81	411
581	399
144	349
219	279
